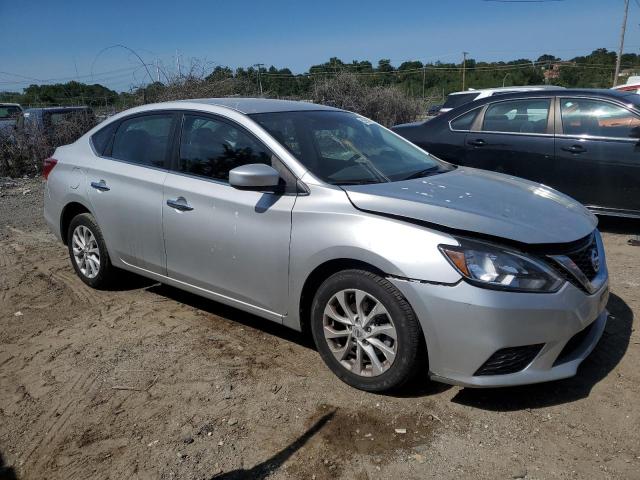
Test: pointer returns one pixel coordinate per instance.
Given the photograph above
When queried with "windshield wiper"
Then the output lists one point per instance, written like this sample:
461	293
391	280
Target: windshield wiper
423	173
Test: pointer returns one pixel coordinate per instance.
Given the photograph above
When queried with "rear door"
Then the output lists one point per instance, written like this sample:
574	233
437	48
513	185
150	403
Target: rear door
598	153
234	243
125	188
514	137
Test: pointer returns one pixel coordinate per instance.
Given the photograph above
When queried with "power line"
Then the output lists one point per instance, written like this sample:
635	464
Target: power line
523	1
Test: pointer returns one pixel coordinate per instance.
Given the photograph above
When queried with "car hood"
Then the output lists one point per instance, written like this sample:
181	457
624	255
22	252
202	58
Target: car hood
483	202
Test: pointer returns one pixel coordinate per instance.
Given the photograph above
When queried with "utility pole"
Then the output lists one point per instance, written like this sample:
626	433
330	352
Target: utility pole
464	68
178	63
622	30
259	66
424	72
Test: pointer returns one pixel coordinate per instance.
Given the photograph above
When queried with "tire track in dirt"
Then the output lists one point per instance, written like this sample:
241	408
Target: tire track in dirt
57	419
7	258
75	286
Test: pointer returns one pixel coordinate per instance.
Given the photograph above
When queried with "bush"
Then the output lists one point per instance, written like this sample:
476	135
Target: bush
22	151
386	105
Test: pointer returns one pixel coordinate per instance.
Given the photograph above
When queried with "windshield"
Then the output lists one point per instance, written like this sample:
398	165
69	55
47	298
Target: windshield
9	111
344	148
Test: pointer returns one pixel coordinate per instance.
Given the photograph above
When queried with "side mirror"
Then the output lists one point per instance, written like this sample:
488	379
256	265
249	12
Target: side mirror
255	176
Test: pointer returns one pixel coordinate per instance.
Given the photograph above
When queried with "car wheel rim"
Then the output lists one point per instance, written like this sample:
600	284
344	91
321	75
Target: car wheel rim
86	252
360	332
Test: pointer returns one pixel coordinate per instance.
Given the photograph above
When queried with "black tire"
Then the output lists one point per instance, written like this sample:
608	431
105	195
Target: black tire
410	356
106	270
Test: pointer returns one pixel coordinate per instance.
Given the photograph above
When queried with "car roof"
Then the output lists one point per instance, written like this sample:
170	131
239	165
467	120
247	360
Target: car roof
6	104
53	109
260	105
515	88
626	97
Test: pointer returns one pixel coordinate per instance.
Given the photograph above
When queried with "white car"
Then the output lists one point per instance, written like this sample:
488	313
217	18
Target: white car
455	99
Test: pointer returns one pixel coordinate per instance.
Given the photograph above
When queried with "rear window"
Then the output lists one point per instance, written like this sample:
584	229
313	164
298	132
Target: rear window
143	140
101	138
455	100
464	122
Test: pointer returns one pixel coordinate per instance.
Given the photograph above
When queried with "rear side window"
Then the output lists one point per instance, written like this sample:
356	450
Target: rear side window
455	100
517	116
211	148
464	122
143	140
598	119
101	138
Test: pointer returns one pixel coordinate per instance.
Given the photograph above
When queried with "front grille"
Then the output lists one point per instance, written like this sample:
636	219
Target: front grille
509	360
582	258
573	344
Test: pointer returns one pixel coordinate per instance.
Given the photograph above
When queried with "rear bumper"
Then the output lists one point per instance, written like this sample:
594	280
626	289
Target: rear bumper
465	325
52	212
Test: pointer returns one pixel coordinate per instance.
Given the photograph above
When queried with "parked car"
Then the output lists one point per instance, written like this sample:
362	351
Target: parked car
323	220
48	119
9	114
434	110
632	85
585	143
457	99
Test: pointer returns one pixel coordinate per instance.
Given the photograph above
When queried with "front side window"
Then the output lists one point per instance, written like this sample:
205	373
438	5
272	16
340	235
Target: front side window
211	148
143	140
517	116
595	118
345	148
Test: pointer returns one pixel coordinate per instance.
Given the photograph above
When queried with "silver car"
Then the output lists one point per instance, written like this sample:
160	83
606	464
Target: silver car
325	221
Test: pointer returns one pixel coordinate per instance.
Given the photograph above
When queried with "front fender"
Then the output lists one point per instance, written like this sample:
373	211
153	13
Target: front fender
326	227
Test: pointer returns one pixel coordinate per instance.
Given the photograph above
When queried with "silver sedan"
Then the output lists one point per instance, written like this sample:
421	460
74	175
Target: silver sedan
322	220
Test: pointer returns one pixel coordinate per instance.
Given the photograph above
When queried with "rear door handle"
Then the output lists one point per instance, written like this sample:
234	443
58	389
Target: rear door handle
180	203
477	143
101	185
574	149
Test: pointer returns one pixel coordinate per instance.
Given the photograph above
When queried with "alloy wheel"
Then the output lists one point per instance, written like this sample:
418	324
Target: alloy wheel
86	252
360	332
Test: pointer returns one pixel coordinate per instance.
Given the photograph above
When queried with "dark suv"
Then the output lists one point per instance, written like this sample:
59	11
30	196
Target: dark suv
585	143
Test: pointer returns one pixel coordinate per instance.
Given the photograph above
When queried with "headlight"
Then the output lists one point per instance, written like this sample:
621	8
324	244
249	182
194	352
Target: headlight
494	267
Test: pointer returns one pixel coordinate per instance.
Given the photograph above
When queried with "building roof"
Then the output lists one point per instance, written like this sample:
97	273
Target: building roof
260	105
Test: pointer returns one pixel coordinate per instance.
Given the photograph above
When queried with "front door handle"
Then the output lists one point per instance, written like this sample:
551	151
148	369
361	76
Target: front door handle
477	143
101	185
180	203
574	149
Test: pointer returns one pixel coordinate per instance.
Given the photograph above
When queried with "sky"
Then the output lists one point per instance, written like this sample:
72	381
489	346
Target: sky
58	41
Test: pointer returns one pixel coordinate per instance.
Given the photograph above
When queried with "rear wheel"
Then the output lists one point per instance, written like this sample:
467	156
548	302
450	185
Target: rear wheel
88	251
366	331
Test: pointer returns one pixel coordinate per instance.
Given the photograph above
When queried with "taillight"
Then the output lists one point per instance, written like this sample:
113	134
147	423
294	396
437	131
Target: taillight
47	166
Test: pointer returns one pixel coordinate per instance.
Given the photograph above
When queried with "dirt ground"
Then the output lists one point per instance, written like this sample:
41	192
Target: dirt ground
148	382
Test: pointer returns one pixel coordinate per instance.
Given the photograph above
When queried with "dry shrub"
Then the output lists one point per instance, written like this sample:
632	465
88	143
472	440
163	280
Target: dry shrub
386	105
22	151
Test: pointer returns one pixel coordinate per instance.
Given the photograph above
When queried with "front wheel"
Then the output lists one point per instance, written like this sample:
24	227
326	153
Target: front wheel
88	251
366	331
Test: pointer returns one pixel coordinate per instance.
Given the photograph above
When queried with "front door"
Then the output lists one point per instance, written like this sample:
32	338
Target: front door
125	190
515	138
231	242
598	154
